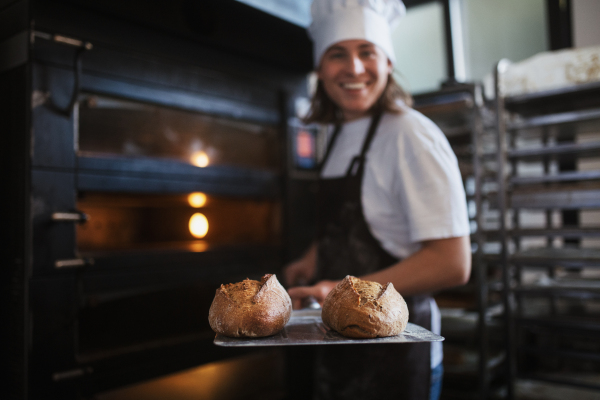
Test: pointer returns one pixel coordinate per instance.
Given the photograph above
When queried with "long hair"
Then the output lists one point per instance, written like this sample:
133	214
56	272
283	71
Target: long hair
324	110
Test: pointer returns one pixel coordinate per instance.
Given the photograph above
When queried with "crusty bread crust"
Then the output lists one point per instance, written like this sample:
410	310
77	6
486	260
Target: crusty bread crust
363	309
250	308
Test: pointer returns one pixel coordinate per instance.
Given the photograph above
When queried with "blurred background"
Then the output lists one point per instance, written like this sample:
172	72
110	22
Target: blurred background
152	151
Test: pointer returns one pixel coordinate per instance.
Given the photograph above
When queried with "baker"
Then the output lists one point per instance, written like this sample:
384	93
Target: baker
391	205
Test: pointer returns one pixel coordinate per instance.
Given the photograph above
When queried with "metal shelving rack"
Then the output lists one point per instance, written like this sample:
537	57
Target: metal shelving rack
472	314
549	204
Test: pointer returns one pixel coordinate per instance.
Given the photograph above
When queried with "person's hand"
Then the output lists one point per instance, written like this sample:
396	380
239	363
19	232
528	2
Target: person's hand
301	271
297	273
318	291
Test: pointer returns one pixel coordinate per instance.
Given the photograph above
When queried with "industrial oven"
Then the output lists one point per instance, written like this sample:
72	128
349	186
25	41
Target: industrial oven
155	156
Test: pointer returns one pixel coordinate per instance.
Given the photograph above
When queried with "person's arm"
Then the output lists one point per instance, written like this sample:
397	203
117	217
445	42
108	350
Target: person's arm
301	271
439	264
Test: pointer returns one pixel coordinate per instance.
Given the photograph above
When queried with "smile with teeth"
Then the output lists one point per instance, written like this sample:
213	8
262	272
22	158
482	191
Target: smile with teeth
354	85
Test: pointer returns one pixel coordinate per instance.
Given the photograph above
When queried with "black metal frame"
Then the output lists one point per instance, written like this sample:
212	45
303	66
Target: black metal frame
564	110
43	289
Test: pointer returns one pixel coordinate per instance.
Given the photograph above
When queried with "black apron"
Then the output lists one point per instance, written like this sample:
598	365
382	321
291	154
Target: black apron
347	247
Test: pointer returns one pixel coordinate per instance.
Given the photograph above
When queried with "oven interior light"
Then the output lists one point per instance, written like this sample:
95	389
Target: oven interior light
198	246
198	225
197	199
200	159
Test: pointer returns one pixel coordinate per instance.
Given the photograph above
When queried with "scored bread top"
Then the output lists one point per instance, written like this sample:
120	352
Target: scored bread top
363	309
242	292
367	291
250	308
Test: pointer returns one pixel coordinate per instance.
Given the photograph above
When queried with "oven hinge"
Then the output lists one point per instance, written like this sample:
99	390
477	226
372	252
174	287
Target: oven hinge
71	216
73	263
71	374
81	47
61	39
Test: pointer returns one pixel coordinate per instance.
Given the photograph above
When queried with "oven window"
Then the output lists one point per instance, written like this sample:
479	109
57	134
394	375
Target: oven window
190	221
109	126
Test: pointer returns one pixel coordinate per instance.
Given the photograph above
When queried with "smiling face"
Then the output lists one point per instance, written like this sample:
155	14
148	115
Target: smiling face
354	74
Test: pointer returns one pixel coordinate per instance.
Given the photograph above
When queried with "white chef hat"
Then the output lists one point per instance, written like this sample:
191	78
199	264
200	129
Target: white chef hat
336	20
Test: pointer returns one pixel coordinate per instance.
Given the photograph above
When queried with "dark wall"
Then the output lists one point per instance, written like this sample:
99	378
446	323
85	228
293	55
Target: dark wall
14	218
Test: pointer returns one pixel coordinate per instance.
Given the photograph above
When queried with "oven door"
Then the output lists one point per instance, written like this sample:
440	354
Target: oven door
145	199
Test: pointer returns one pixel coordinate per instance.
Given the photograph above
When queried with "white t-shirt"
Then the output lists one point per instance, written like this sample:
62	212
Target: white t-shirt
412	188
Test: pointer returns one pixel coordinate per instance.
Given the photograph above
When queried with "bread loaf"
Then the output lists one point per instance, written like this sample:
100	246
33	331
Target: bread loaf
250	308
363	309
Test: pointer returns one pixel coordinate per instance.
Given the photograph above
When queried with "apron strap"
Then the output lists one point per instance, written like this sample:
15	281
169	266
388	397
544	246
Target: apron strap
336	133
359	160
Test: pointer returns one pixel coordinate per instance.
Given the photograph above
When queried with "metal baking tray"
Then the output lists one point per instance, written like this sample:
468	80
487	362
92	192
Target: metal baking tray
306	327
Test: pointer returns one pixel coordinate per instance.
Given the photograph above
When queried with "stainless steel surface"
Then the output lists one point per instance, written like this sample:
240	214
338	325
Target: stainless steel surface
546	282
565	197
558	256
574	117
555	150
306	328
311	303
